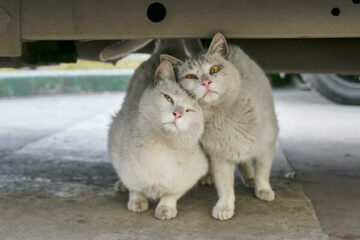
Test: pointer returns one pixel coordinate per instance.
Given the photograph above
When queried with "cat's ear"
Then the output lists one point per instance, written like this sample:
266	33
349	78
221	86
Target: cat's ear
173	60
218	45
163	72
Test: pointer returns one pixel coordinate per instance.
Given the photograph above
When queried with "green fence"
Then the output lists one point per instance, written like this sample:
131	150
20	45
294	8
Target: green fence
27	83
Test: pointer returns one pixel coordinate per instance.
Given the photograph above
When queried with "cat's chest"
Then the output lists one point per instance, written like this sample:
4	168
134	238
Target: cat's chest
225	126
229	135
164	165
162	157
230	122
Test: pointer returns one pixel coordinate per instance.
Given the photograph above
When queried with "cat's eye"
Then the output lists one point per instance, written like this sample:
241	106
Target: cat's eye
167	97
214	69
191	76
189	110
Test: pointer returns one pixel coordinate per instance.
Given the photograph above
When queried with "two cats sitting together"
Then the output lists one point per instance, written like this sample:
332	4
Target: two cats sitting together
178	115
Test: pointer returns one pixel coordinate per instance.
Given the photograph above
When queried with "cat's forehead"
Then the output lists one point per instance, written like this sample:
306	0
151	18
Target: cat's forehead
196	61
173	89
200	61
170	87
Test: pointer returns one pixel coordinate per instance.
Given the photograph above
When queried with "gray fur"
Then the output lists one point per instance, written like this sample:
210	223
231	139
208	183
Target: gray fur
155	155
240	121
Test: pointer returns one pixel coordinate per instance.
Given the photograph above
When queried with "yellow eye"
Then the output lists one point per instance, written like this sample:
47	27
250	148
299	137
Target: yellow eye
214	69
167	97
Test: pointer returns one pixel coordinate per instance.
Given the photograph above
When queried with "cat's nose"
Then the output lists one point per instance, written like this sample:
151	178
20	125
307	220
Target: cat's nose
177	115
206	82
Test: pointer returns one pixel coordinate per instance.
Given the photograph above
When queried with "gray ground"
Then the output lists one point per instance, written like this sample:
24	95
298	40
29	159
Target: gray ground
56	182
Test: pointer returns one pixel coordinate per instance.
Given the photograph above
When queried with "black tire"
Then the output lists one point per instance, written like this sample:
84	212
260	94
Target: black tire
343	89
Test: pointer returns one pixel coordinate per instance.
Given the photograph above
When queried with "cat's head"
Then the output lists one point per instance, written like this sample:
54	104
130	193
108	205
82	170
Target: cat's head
210	77
168	108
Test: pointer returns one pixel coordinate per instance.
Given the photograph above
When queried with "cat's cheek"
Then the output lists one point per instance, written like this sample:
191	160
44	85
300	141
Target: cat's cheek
180	123
197	129
188	84
166	118
199	92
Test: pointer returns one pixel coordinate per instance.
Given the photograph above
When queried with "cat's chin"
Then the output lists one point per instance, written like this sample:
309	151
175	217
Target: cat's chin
170	128
210	98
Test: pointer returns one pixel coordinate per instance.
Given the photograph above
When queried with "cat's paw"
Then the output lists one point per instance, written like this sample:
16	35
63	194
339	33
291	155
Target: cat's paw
120	187
249	183
165	213
265	194
138	205
207	180
223	212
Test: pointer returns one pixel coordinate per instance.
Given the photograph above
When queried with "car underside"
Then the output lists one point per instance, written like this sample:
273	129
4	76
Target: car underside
319	36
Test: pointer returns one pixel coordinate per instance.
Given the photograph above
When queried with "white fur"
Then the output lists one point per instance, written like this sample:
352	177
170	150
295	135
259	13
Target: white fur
155	159
240	121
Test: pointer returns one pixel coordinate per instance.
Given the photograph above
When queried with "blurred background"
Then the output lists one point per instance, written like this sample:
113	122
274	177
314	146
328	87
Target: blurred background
87	76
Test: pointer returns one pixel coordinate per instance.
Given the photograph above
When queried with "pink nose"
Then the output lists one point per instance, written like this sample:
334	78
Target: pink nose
177	115
206	82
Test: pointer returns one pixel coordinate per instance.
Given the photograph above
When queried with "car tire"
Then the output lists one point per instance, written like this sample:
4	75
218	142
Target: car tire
343	89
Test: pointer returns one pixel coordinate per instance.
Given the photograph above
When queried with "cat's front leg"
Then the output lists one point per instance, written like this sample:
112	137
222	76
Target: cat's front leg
223	172
137	202
166	208
262	165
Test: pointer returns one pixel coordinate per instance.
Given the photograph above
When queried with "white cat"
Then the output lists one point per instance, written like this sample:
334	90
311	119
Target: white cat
154	146
240	121
143	76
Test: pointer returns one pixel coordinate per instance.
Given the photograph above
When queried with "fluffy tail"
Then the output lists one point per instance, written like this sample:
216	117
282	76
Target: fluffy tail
122	49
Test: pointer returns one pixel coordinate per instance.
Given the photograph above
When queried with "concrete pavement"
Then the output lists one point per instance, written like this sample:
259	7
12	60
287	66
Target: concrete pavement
56	182
321	140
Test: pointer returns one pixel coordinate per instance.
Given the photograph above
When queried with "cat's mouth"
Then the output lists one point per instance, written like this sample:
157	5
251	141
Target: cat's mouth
209	92
172	125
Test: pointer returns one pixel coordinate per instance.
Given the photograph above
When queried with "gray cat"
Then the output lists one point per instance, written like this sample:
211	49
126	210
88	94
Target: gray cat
154	139
240	121
155	148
